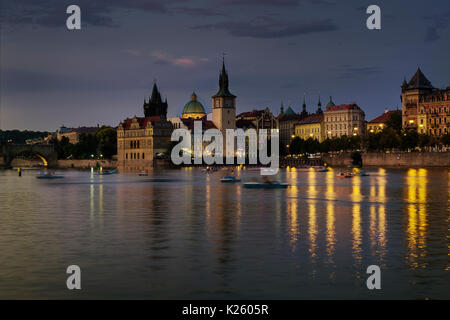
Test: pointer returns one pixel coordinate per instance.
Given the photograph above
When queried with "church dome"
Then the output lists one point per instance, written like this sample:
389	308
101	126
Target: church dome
193	109
331	103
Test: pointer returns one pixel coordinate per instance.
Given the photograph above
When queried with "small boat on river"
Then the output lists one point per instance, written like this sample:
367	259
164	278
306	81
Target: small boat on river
265	185
345	175
107	173
48	175
229	179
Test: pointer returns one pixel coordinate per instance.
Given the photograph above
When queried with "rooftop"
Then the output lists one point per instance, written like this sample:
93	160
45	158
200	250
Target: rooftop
315	118
384	117
342	107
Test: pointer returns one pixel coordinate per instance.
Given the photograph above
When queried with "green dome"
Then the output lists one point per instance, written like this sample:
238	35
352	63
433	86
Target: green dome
331	103
193	106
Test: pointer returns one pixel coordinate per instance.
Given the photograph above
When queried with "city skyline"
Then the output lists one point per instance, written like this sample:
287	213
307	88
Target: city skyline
101	73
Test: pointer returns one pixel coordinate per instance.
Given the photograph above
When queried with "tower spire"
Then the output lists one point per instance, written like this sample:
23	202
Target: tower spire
319	106
304	113
223	82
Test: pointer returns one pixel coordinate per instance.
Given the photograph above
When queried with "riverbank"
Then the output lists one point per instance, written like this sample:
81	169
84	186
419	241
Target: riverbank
86	164
397	159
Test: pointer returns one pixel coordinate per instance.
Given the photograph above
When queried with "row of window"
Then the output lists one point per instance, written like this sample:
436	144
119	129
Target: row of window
435	131
335	119
435	110
307	131
136	144
134	156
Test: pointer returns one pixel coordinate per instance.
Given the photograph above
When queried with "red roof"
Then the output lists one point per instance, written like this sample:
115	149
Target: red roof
254	113
206	124
315	118
341	107
288	117
141	120
383	118
244	124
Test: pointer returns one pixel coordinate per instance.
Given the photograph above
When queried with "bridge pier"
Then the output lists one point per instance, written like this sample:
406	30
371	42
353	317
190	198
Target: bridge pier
10	151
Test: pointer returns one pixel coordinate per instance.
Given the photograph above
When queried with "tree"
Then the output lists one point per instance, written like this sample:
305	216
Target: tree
394	121
409	139
86	147
356	158
107	141
389	139
424	140
445	139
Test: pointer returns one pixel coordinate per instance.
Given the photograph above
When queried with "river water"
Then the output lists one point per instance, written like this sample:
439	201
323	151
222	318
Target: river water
181	234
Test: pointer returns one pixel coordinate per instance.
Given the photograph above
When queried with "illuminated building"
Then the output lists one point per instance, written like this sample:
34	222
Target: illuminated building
425	108
140	140
311	127
379	123
344	120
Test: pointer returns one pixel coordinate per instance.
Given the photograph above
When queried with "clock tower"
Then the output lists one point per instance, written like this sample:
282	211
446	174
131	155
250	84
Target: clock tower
224	104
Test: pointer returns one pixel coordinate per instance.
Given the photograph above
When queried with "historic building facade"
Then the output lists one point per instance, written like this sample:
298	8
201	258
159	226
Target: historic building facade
288	120
261	119
379	123
311	127
343	120
140	140
73	134
425	108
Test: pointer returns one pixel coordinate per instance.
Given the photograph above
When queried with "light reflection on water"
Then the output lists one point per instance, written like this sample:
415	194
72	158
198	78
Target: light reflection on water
186	235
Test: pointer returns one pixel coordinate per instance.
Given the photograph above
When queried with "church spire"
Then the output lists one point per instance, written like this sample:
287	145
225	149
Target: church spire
223	83
319	106
304	113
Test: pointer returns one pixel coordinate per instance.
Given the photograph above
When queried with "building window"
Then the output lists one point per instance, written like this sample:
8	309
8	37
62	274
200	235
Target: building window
143	156
126	156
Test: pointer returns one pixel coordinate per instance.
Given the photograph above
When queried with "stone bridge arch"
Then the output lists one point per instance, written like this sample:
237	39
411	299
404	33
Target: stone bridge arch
46	152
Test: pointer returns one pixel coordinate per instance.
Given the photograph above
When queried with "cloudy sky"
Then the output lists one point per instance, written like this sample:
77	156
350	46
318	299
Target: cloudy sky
276	50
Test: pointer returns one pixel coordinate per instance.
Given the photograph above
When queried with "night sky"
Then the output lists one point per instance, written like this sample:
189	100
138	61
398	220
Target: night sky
276	50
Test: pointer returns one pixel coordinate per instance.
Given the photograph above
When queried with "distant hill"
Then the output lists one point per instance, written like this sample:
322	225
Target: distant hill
19	137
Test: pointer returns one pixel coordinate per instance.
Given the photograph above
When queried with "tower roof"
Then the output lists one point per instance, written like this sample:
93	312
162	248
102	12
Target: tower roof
156	96
289	111
223	84
419	81
331	103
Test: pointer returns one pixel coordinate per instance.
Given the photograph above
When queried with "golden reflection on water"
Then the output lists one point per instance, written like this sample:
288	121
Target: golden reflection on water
239	206
292	209
331	229
312	218
377	217
356	198
208	201
381	179
416	182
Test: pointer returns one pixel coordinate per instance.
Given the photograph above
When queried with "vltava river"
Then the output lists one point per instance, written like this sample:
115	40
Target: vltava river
182	234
